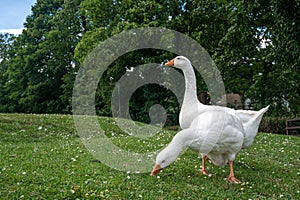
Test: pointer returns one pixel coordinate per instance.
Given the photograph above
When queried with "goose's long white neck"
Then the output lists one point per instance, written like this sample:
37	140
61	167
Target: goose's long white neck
190	94
191	107
179	143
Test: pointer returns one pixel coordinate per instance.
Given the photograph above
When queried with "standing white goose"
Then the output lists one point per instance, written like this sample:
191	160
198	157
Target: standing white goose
192	107
218	133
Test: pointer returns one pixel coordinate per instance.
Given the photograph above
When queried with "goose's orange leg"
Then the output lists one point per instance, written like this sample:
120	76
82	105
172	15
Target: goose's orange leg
231	174
203	170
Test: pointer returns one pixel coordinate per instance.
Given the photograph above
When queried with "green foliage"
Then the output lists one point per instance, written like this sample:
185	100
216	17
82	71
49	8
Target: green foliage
277	83
147	96
37	75
273	125
255	44
6	45
42	158
231	32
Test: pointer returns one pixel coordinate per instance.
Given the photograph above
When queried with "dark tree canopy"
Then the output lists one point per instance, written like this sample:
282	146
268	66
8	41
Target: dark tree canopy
254	43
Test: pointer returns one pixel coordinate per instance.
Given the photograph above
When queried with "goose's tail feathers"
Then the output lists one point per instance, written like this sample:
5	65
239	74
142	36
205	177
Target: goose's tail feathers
251	127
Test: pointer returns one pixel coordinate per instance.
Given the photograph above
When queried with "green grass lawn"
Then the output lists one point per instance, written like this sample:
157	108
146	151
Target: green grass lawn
43	158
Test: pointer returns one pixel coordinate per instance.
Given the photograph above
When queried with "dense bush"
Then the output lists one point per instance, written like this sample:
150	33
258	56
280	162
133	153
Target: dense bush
273	125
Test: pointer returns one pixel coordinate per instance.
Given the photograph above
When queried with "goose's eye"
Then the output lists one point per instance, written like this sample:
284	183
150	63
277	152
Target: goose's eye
163	161
178	58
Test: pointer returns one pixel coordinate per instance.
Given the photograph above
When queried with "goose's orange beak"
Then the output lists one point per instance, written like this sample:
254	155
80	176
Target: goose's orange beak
170	63
156	169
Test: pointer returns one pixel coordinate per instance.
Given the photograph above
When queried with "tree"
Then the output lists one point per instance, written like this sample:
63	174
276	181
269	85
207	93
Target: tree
6	45
255	44
45	55
112	18
277	81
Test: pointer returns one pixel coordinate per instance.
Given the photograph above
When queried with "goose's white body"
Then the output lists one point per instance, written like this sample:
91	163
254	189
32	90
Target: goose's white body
218	133
206	135
192	107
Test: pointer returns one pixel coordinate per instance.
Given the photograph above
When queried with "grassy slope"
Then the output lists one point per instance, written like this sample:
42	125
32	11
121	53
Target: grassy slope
41	157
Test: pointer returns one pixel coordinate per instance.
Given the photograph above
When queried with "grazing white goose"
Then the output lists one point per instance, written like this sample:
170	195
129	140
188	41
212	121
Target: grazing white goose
220	142
218	133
